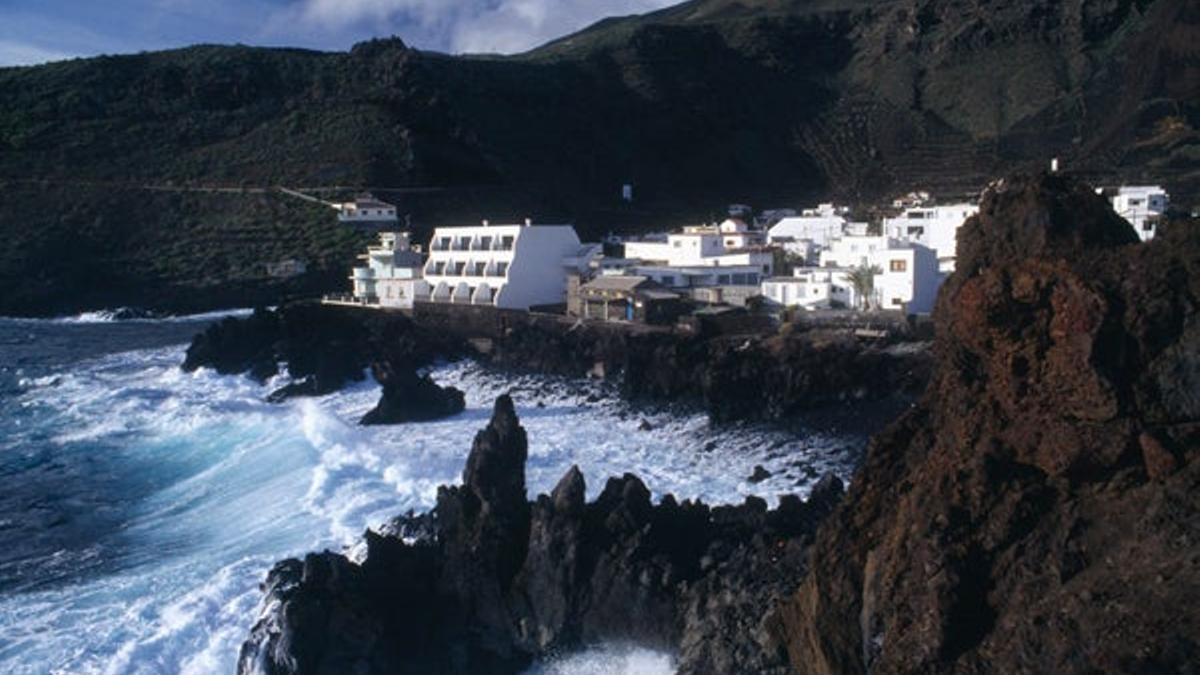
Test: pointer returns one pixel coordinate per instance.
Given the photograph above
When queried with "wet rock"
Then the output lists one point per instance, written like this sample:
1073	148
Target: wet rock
408	397
759	475
324	347
1036	512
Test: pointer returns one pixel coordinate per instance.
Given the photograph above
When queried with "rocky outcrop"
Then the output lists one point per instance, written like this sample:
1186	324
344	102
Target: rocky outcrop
497	581
732	377
1037	512
409	397
324	348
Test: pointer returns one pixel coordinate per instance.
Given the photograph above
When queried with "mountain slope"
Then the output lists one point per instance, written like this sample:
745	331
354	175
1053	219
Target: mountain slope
775	102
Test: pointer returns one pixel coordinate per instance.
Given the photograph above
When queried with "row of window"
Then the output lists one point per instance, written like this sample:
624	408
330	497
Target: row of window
463	269
487	243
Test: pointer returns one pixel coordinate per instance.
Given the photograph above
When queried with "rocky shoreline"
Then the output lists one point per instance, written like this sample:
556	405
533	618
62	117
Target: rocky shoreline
731	377
1035	512
493	582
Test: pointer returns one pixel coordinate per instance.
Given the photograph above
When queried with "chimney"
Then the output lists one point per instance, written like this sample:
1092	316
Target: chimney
486	223
528	222
1054	165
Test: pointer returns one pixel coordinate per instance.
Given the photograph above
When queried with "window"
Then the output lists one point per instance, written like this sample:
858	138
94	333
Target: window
722	279
667	281
501	269
677	243
898	265
916	231
1148	226
896	302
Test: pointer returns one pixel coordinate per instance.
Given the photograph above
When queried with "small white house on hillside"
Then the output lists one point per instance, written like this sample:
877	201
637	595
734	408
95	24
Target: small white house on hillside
1143	206
506	266
366	211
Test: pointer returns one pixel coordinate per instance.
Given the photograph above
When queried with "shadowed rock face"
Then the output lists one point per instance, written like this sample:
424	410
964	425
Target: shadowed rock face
1037	512
409	397
495	581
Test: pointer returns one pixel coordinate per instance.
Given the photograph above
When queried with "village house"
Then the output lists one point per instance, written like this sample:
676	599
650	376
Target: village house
907	277
391	276
629	298
505	266
803	236
935	227
730	243
368	212
812	288
286	269
1143	206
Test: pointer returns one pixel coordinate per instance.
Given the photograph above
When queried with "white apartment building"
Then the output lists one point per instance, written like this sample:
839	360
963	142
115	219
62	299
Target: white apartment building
392	274
506	266
935	227
1143	206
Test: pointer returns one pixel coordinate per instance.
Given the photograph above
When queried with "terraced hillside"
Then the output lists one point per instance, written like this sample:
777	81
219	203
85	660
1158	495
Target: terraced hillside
771	102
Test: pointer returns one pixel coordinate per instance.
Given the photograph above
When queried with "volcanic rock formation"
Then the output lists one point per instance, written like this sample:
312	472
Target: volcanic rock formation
409	397
1039	511
499	581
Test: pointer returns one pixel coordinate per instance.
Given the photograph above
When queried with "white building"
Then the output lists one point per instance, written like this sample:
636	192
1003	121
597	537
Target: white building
1143	206
731	243
935	227
907	276
809	232
812	288
507	266
366	211
392	274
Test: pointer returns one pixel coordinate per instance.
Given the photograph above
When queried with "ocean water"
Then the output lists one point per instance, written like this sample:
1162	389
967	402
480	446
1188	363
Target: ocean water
140	506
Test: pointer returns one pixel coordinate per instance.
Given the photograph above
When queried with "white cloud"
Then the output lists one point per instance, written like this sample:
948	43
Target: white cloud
504	26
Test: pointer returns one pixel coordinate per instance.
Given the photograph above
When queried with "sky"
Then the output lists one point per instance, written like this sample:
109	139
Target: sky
36	31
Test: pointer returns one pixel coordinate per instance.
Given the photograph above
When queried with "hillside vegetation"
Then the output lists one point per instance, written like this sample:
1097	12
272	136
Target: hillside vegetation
773	102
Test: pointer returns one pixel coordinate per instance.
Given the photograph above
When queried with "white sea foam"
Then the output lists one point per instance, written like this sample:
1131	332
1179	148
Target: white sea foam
236	483
608	660
112	316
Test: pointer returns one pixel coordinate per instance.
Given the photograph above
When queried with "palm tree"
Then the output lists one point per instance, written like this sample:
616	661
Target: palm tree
862	278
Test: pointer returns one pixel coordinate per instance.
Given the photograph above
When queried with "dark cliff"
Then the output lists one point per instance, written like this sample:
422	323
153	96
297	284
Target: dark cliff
765	101
1038	511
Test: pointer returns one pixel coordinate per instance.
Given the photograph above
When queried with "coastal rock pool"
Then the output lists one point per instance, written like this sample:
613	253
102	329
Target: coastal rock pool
140	506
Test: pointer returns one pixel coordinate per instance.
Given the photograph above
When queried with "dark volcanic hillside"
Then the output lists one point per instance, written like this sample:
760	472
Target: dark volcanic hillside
768	101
